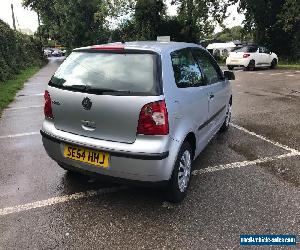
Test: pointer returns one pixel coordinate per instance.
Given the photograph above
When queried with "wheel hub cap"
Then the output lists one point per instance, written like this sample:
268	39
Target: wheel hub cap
184	171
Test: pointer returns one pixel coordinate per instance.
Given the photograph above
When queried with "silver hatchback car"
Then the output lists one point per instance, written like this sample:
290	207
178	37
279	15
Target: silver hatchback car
139	111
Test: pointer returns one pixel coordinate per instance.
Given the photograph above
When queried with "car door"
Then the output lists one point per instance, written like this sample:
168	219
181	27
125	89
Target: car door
263	56
268	56
190	94
218	88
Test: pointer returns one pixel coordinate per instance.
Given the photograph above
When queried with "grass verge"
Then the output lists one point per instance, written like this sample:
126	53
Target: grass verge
9	88
289	66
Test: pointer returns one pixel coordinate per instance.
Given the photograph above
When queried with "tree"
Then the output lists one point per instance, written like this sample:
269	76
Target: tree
71	22
290	20
199	17
145	19
274	23
233	34
149	15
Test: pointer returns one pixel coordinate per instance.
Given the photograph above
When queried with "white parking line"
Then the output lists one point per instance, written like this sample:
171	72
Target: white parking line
275	74
29	95
57	200
290	75
91	193
37	83
242	163
266	139
19	135
260	73
28	107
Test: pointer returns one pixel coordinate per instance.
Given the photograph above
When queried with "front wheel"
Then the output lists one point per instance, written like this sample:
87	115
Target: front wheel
273	64
251	66
230	67
180	179
226	123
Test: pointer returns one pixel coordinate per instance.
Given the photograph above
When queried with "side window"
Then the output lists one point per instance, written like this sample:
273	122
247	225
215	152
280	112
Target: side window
262	50
267	51
186	70
211	71
252	49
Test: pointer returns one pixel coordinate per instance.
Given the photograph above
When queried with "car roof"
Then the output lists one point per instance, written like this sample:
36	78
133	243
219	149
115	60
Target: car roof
155	46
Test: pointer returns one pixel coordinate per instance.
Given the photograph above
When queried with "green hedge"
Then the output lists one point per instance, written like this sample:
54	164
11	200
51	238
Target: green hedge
17	52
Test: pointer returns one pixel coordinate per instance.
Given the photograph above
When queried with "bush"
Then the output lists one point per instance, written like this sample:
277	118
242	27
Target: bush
17	52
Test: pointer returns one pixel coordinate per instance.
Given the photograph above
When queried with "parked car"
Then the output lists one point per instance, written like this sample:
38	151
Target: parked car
57	53
48	52
141	111
251	57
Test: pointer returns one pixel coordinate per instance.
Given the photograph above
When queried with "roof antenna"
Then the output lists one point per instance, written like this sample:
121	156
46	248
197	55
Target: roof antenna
123	41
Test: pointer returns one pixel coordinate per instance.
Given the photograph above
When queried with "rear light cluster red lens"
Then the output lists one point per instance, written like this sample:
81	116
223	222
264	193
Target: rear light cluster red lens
48	105
246	55
153	119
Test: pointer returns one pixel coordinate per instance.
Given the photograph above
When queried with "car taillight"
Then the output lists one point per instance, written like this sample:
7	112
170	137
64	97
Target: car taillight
246	55
48	105
153	119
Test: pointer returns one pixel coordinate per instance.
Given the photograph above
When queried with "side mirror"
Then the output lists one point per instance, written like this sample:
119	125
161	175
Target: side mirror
229	75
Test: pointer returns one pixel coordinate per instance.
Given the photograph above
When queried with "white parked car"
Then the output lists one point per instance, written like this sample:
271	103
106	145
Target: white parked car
251	57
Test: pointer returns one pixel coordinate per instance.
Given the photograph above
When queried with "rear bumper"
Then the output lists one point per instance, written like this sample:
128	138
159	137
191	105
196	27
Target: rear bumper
237	62
141	163
126	154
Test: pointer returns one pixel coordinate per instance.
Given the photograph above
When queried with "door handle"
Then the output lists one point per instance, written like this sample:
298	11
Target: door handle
211	96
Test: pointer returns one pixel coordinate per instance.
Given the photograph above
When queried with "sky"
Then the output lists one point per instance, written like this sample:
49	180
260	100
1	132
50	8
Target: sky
26	19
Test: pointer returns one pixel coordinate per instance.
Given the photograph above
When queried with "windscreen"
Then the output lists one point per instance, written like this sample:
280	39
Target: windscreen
247	49
125	73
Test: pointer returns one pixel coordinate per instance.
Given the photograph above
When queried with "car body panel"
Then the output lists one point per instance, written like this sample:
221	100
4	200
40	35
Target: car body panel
111	117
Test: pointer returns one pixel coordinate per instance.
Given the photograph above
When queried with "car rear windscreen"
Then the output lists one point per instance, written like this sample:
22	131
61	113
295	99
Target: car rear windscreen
121	73
247	49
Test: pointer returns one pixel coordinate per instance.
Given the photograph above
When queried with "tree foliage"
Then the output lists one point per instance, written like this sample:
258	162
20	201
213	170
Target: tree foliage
199	17
17	51
233	34
79	22
274	23
71	22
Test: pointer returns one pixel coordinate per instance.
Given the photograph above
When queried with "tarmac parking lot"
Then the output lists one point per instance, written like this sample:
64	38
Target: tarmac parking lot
247	181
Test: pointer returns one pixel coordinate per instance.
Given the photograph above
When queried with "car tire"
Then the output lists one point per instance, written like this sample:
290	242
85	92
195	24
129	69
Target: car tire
226	124
251	66
181	175
273	64
230	67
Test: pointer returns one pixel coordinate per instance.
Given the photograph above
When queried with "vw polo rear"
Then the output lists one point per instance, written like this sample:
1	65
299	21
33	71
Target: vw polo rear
105	113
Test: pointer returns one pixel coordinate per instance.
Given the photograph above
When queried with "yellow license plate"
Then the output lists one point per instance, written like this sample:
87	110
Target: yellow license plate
100	159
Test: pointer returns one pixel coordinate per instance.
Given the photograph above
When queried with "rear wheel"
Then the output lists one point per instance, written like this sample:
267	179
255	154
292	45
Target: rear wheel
227	120
230	67
251	66
180	179
273	64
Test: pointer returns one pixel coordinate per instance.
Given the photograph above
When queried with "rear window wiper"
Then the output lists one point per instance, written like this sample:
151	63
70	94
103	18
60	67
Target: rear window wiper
100	91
